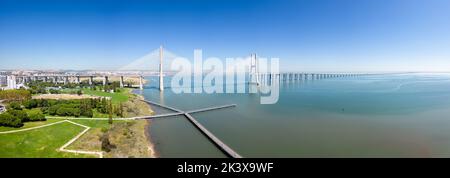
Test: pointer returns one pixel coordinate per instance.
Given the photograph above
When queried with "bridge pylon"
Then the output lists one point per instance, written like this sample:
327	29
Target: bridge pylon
254	73
161	77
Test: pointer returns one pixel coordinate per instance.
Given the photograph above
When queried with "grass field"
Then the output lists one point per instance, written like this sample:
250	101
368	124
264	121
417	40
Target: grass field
128	136
44	142
117	97
39	143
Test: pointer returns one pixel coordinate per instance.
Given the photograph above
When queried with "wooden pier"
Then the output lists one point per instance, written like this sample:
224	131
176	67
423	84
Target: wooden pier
216	141
225	148
211	108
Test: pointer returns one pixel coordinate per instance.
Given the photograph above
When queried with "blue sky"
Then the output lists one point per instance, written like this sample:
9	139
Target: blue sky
307	35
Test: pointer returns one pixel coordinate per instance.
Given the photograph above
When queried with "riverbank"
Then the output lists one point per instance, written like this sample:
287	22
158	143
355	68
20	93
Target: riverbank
151	145
131	138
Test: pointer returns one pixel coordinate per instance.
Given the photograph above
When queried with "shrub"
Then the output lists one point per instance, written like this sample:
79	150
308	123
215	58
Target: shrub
67	111
106	144
87	113
15	106
53	91
37	116
30	104
7	119
62	111
52	110
19	114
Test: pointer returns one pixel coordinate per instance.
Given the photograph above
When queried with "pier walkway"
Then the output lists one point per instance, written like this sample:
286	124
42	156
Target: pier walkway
216	141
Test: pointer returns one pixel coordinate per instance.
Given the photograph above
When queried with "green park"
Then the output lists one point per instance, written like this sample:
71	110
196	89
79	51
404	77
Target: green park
72	121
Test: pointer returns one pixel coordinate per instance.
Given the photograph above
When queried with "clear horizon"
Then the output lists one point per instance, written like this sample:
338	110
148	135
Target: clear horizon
324	35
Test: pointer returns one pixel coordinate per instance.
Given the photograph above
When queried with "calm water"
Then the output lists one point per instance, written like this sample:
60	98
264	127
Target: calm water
403	115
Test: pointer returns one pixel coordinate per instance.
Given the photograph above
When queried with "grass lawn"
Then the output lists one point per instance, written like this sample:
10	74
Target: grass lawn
40	143
117	97
129	136
44	142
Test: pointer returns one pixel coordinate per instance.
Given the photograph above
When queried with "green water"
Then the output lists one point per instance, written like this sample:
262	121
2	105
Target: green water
402	115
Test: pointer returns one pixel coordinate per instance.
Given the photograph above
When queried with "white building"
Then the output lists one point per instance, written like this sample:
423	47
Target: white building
11	81
3	81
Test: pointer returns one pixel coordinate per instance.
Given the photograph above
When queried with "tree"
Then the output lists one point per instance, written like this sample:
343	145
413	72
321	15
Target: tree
52	110
7	119
106	144
110	120
37	116
88	113
121	109
15	106
29	104
22	115
15	95
53	91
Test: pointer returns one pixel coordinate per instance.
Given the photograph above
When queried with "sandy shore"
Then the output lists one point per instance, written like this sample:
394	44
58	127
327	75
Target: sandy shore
151	145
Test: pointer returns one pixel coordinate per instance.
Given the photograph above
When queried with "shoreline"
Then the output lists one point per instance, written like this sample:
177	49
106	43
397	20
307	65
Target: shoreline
150	144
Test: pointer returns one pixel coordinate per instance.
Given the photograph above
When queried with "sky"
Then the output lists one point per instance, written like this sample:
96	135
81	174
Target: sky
306	35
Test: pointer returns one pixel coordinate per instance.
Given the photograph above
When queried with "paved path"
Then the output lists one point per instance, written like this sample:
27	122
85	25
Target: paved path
81	118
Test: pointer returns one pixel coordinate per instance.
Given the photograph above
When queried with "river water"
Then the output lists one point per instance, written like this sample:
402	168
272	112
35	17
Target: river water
396	115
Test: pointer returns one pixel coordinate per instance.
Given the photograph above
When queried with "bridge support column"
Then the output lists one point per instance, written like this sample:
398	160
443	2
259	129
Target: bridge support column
105	80
121	81
66	80
91	79
161	77
141	83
